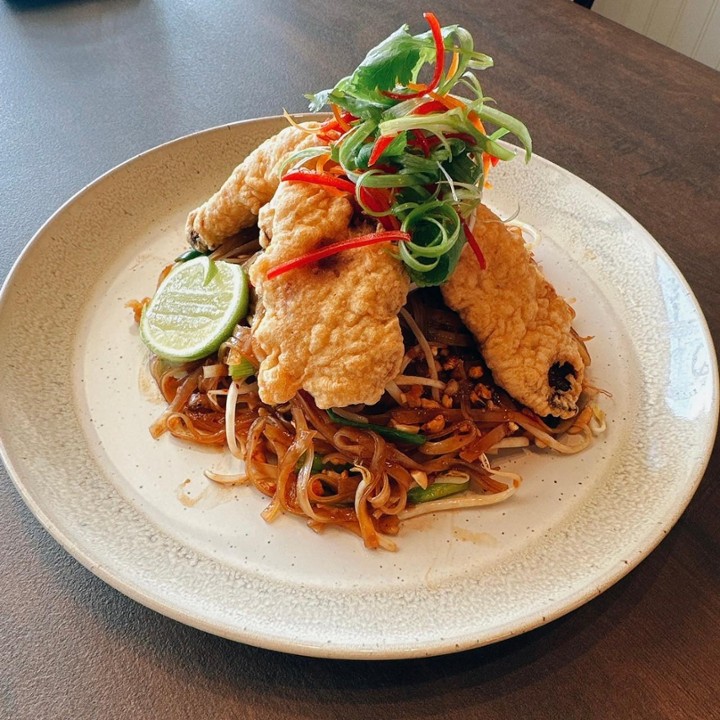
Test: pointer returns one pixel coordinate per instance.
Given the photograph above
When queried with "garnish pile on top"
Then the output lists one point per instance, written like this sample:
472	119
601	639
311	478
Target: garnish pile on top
415	156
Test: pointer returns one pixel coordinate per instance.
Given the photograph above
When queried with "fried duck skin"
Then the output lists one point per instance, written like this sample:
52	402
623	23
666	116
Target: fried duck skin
331	329
523	327
252	184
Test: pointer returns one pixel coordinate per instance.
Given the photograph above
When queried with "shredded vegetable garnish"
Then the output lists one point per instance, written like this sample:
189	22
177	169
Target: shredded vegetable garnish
414	155
329	250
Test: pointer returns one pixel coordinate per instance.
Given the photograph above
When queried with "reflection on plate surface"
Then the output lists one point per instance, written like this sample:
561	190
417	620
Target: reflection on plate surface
140	514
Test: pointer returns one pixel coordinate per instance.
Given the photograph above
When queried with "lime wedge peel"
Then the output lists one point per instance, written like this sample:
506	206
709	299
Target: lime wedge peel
195	309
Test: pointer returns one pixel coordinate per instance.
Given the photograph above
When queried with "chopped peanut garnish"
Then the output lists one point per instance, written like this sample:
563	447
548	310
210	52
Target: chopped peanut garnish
425	403
451	387
452	363
435	425
483	391
475	372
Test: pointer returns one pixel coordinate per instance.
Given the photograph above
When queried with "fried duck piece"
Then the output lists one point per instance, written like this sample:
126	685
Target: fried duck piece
522	325
252	184
331	329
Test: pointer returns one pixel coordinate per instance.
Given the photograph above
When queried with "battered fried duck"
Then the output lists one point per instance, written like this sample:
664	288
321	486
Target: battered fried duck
252	184
523	327
331	329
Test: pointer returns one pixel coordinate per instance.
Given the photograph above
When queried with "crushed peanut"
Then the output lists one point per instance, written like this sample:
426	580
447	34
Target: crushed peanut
483	391
425	403
451	387
435	425
451	363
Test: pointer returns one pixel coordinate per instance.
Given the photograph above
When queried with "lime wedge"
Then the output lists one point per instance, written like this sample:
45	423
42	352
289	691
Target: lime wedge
195	309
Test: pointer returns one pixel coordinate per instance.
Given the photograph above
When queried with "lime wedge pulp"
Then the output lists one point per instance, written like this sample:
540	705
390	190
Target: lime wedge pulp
195	309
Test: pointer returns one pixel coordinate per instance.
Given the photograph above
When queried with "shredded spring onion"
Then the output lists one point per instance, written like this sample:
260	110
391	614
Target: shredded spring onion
458	503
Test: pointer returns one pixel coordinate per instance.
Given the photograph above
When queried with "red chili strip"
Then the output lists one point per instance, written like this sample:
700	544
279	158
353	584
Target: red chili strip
317	178
330	124
439	61
380	146
328	250
419	140
432	106
487	157
469	139
372	198
329	137
334	128
473	243
378	202
433	140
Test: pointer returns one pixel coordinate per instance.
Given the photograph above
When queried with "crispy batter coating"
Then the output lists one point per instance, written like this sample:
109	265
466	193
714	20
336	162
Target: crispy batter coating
252	184
522	325
331	329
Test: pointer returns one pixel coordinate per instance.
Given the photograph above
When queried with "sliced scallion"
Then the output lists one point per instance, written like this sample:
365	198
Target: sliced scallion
435	491
241	370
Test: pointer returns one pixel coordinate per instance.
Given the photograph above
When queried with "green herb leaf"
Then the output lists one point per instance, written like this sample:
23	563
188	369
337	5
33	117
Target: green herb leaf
395	61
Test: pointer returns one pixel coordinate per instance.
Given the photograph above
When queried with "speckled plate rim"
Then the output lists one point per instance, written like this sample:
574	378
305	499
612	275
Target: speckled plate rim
545	612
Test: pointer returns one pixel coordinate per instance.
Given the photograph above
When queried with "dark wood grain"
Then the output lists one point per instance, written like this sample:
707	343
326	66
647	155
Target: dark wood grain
86	85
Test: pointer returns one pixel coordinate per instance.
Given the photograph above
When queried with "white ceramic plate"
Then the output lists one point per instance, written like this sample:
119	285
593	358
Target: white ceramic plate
140	514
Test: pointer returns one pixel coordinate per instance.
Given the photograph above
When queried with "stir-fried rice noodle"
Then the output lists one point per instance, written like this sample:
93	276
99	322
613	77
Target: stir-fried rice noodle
365	476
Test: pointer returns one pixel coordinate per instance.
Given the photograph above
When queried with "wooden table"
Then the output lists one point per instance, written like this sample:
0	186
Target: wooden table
83	86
